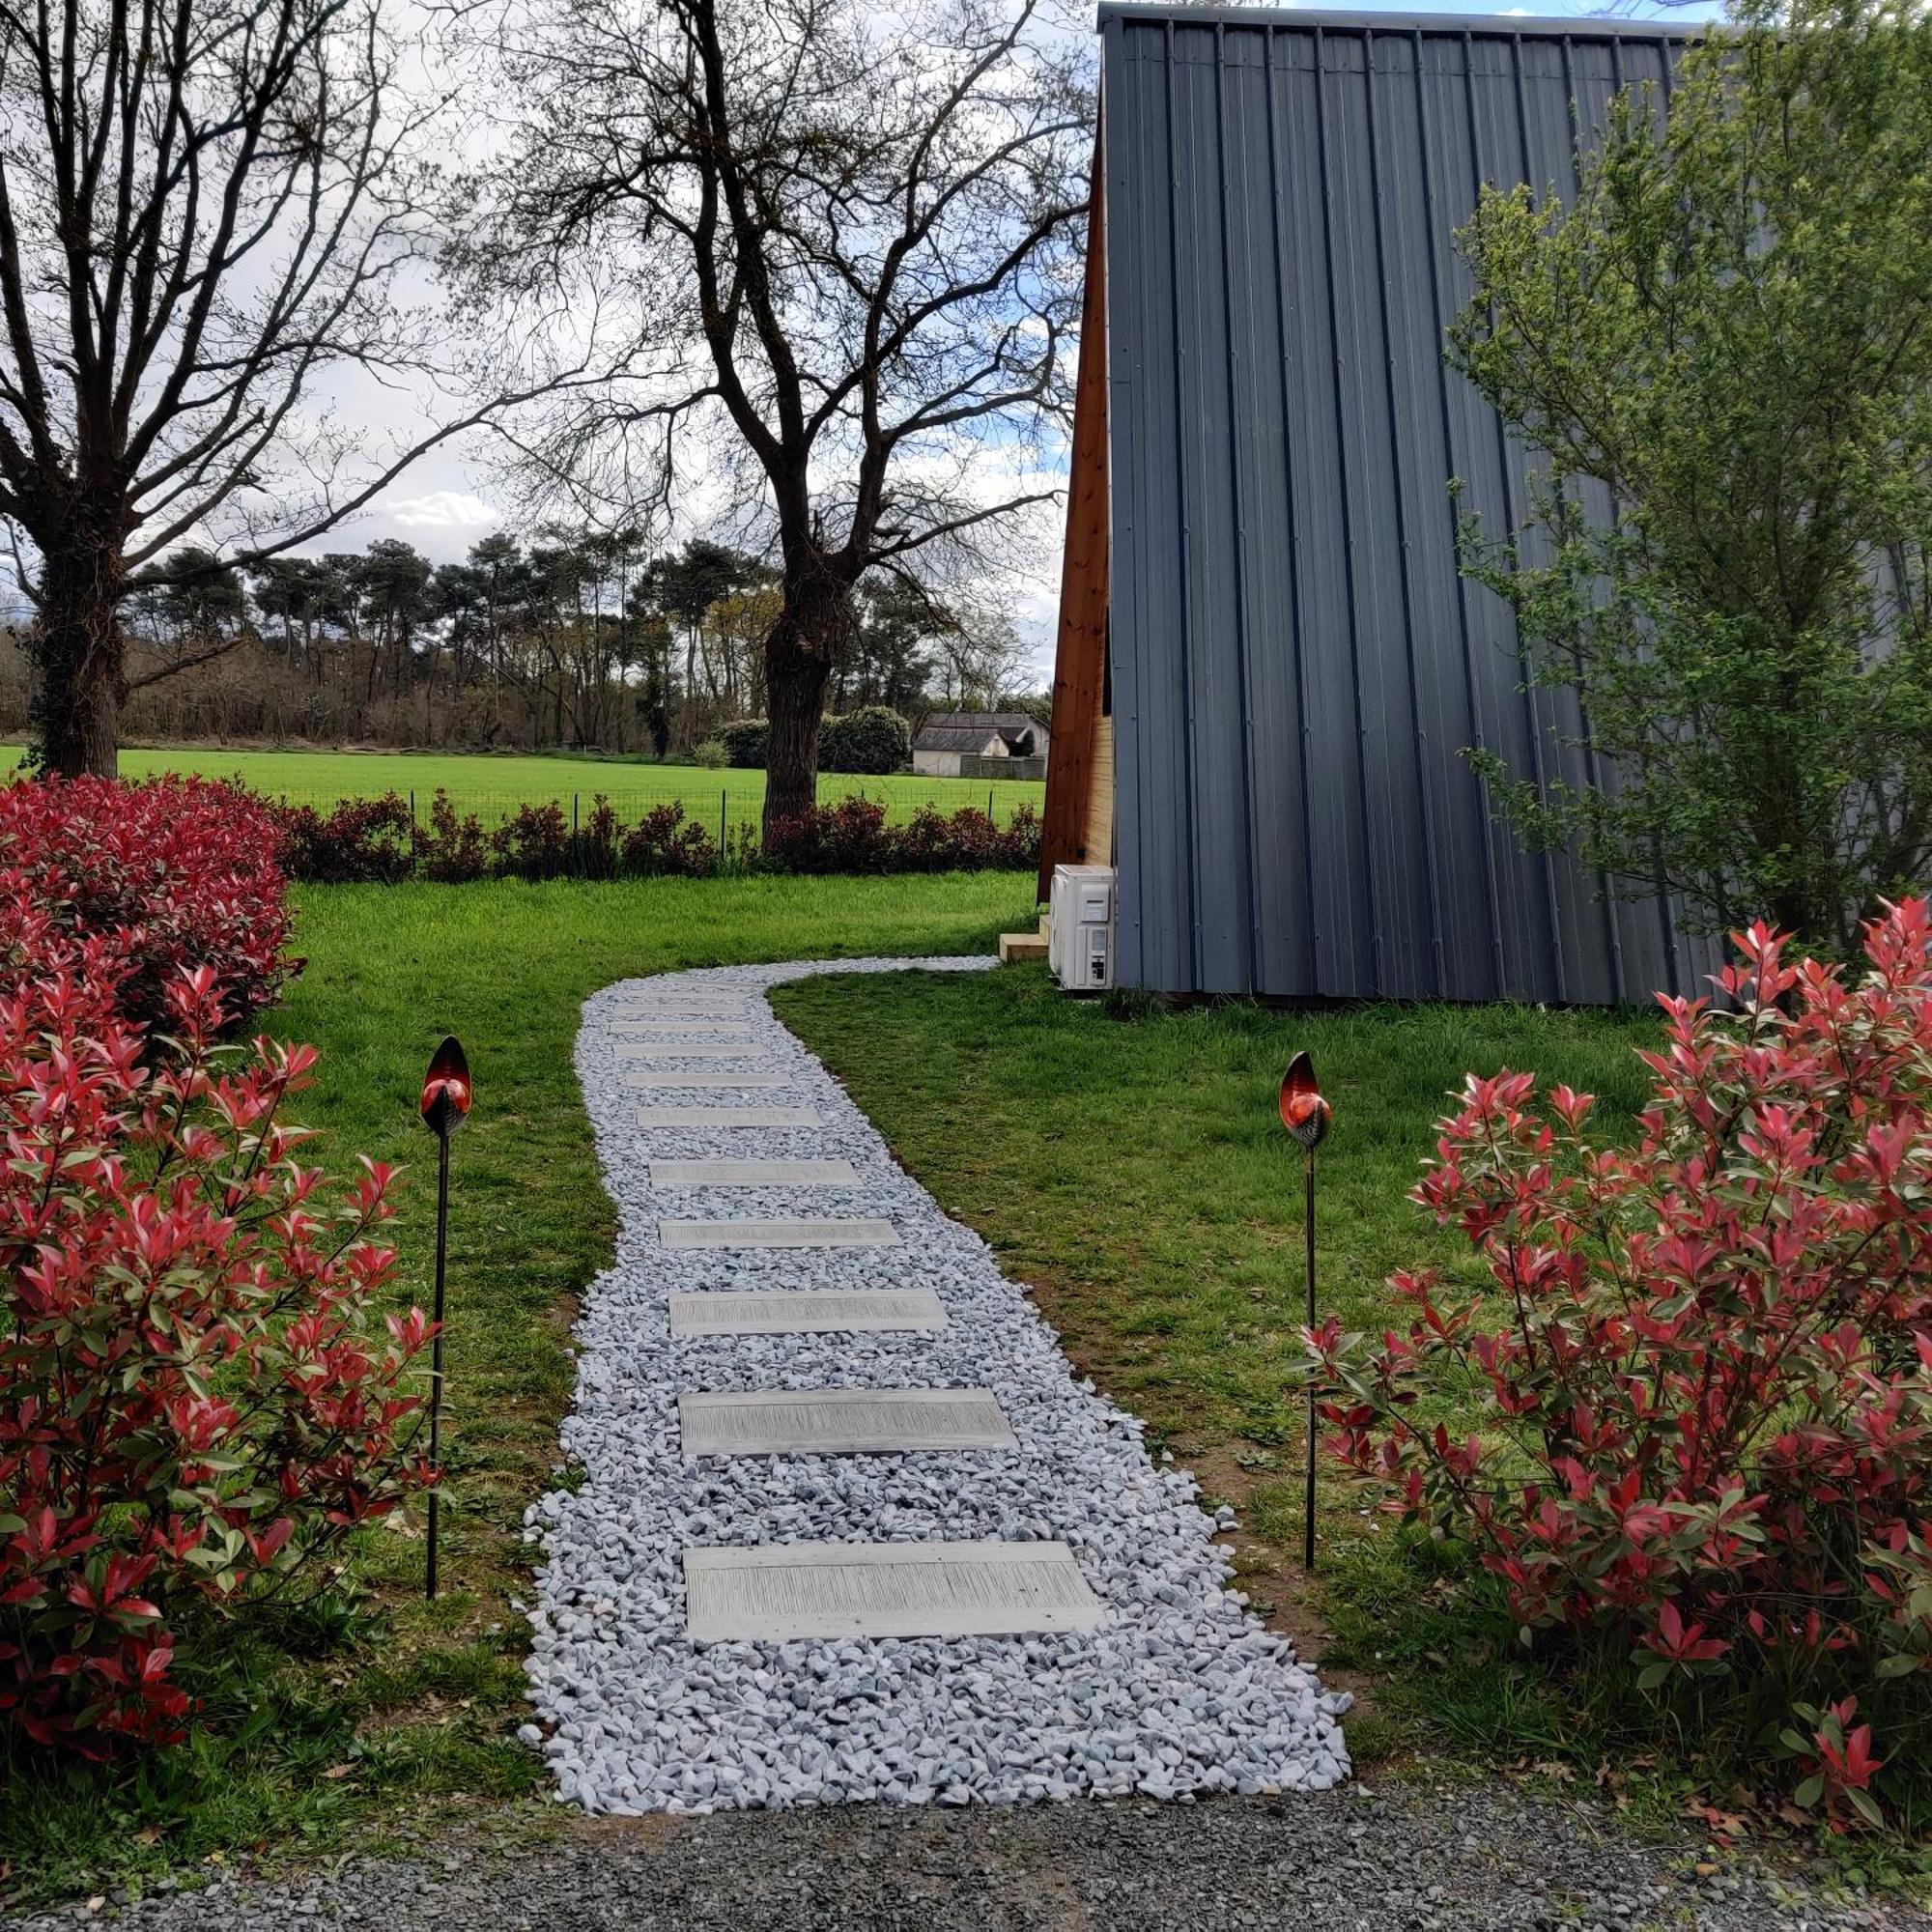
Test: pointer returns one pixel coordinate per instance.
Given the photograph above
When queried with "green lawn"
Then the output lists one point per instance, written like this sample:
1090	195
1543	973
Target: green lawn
1134	1171
493	787
344	1722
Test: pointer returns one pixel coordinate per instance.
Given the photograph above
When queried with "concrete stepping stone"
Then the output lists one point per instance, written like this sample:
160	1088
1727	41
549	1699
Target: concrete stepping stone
681	1017
777	1592
679	1023
806	1311
652	998
729	1117
753	1174
739	1046
843	1422
854	1233
683	1078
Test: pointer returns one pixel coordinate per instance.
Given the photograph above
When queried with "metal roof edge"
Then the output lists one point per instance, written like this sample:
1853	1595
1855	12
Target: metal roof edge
1579	26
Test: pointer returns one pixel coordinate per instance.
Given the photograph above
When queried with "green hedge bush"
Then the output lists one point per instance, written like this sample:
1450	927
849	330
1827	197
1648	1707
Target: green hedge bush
873	740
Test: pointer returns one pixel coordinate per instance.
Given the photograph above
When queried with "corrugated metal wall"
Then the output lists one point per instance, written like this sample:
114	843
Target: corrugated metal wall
1296	663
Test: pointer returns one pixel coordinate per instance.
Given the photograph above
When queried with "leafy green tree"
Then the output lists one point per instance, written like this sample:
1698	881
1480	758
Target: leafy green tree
1730	327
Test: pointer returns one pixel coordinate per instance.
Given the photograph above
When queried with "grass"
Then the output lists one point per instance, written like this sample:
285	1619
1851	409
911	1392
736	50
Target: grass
374	1717
1134	1171
494	784
1128	1163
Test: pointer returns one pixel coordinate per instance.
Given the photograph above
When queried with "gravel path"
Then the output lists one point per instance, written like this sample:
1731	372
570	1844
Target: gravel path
1402	1860
1178	1690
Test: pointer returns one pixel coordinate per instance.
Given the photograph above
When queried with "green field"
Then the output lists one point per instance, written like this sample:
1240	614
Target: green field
493	787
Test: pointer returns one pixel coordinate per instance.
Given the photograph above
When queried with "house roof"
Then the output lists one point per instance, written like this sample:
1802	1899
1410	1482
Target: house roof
1592	26
984	721
954	738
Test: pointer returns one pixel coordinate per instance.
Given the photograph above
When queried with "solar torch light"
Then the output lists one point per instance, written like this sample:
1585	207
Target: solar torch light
1305	1113
445	1103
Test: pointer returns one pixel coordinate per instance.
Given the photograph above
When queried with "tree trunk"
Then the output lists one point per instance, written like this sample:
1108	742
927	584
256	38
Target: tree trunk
75	646
799	649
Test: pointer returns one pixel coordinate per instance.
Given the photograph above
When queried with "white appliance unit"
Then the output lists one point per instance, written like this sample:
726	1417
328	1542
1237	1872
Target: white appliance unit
1080	927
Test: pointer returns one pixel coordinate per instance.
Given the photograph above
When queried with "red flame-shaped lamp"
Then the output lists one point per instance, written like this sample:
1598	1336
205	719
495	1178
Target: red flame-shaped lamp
1305	1113
445	1106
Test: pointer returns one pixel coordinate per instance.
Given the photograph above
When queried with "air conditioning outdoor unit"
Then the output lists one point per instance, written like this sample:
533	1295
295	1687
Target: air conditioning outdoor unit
1080	927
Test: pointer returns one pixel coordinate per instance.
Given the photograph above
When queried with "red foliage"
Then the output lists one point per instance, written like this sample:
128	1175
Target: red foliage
533	842
453	851
184	871
193	1397
1707	1427
853	837
362	840
664	841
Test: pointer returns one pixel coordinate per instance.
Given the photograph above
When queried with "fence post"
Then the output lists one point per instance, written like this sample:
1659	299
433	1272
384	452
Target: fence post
413	807
989	800
723	803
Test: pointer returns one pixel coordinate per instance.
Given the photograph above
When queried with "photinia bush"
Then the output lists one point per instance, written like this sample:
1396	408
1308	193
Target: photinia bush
185	870
1705	1370
453	851
533	842
664	841
195	1397
362	840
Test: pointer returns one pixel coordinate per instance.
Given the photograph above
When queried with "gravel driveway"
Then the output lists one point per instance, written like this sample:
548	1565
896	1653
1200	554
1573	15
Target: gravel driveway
1404	1859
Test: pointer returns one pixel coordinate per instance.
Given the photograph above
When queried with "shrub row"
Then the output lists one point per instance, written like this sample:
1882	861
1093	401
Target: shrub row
853	837
377	839
196	1396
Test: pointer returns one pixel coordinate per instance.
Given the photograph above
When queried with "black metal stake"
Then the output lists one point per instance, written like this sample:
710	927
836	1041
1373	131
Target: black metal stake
435	1348
1309	1278
445	1105
1305	1113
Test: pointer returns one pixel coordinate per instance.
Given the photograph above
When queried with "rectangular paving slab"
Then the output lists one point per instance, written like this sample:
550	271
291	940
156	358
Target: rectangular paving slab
683	996
682	1010
729	1117
686	1078
854	1233
781	1591
806	1311
737	1046
841	1422
753	1174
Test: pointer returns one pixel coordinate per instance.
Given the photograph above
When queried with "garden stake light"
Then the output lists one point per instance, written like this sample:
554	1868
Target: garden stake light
445	1103
1304	1113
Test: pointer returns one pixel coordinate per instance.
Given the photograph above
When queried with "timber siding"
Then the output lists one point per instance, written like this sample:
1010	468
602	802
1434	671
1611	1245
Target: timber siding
1297	666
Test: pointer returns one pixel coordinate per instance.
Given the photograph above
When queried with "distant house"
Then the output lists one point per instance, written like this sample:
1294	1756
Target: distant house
980	745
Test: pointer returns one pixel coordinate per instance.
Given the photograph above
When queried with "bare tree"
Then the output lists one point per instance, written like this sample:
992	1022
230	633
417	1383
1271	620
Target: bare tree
832	250
205	207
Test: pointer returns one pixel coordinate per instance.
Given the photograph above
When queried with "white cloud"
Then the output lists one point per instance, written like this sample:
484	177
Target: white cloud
441	510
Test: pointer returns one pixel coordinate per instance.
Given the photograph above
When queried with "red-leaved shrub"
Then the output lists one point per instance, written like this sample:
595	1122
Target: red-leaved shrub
1705	1374
183	868
533	842
664	841
362	840
454	851
195	1397
852	835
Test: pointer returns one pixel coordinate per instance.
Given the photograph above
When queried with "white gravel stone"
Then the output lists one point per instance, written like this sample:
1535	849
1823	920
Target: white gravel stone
1177	1691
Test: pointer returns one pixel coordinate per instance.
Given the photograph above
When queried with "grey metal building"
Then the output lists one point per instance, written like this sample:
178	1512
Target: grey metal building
1269	665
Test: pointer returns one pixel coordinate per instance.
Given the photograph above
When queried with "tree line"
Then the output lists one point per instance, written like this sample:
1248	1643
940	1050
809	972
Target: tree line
553	639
